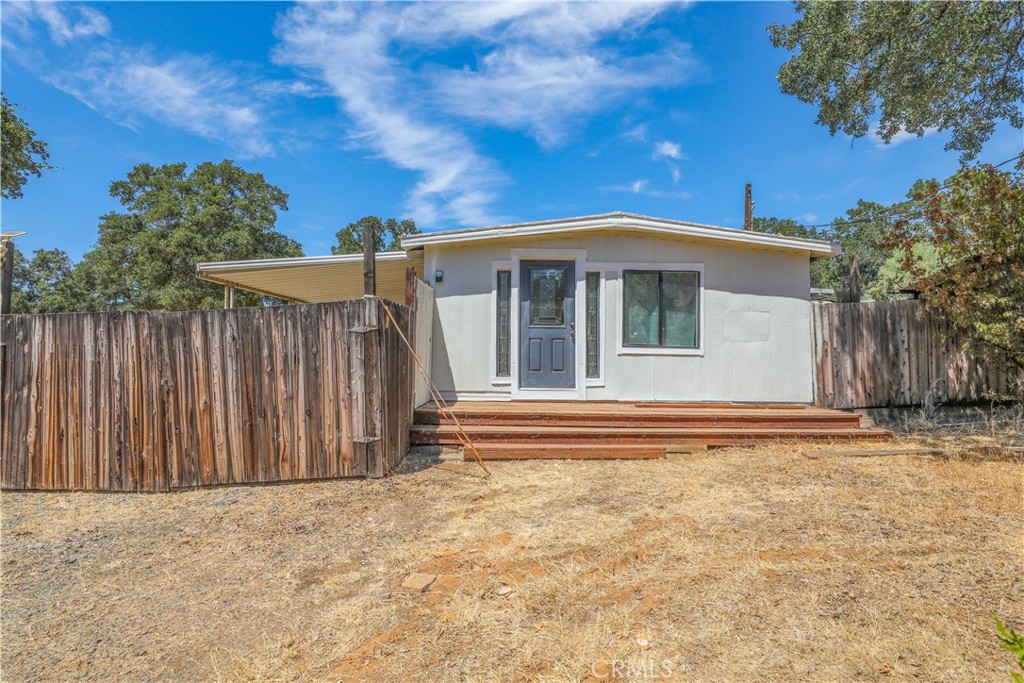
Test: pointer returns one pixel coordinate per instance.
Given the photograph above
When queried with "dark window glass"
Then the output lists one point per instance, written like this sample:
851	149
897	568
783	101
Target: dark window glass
547	297
504	323
593	324
661	308
679	301
640	308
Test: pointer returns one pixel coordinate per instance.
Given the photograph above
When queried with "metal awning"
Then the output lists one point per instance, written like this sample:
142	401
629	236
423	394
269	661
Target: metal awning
314	279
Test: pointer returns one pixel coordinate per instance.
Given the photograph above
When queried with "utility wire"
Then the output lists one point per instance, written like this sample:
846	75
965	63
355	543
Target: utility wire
893	213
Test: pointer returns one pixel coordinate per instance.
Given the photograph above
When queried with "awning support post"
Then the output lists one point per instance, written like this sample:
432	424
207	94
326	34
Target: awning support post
369	262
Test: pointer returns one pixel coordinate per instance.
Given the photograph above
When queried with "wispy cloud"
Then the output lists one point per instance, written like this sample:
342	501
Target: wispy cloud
190	93
539	68
898	138
637	133
667	150
64	22
643	187
130	84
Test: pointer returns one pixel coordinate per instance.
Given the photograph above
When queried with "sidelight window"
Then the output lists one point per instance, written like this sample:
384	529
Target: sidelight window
593	325
504	333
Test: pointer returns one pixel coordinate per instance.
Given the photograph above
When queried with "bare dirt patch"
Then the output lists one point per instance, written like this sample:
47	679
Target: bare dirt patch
735	564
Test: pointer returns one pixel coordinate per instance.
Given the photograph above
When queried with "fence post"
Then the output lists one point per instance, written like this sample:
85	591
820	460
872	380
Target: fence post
410	286
369	261
7	256
369	426
6	288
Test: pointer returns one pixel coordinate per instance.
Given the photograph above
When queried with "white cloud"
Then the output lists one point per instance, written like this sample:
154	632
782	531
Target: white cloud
456	183
676	175
898	138
127	84
668	150
637	133
643	187
190	93
809	217
536	67
64	21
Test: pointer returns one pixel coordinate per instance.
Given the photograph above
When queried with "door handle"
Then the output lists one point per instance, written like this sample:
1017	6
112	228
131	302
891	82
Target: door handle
572	331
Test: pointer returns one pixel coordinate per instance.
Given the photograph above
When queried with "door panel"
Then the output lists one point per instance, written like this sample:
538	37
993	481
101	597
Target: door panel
547	314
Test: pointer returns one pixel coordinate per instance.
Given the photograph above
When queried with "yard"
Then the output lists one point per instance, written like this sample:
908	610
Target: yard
736	564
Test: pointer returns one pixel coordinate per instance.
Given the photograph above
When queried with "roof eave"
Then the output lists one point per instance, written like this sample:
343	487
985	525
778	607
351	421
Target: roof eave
816	248
261	264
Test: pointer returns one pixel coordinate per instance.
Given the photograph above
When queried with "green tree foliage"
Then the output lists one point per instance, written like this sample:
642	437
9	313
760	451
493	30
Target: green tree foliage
894	278
146	255
862	232
955	66
1012	642
46	283
785	226
23	155
387	235
975	224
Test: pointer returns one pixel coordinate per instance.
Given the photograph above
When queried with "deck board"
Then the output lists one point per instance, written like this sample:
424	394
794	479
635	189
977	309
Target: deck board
606	429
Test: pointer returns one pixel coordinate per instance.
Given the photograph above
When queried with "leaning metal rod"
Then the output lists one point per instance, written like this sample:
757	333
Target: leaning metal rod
460	433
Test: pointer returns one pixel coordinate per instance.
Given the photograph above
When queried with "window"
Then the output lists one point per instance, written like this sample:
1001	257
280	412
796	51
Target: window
504	336
547	297
593	325
660	309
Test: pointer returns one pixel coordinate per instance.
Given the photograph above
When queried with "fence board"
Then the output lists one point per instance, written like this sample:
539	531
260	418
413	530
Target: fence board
891	353
154	401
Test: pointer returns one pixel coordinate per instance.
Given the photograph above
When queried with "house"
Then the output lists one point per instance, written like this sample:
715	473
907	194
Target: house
615	306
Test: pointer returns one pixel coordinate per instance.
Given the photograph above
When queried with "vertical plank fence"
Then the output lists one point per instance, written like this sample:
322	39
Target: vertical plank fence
155	401
891	353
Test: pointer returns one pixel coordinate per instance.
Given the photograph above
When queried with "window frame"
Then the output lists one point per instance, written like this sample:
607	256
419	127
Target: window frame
498	371
602	341
624	349
497	381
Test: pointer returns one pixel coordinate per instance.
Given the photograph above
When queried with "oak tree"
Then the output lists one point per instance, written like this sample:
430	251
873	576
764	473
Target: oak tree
387	235
23	154
974	224
146	254
956	66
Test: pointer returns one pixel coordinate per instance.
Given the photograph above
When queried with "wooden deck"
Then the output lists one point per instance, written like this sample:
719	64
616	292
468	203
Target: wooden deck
601	429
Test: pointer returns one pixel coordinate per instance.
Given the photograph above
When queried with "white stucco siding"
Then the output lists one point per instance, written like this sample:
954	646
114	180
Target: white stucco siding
757	344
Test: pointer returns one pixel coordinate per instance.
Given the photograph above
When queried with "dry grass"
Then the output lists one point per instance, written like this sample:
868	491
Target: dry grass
738	564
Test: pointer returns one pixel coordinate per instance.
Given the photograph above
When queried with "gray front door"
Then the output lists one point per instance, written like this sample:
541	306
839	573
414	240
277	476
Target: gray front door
547	324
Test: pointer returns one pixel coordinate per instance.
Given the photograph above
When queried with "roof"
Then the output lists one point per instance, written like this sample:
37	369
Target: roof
313	279
622	221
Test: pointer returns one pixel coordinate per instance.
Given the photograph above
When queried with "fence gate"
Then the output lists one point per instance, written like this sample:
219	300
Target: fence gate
154	401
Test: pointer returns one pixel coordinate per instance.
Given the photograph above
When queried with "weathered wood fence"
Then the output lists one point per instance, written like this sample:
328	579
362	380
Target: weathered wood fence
154	401
891	353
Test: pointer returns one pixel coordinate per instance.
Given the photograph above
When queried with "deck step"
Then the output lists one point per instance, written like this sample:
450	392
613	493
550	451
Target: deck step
625	429
778	419
628	414
662	436
522	451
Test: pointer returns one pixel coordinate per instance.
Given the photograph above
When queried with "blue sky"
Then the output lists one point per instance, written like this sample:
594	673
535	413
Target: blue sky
454	114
